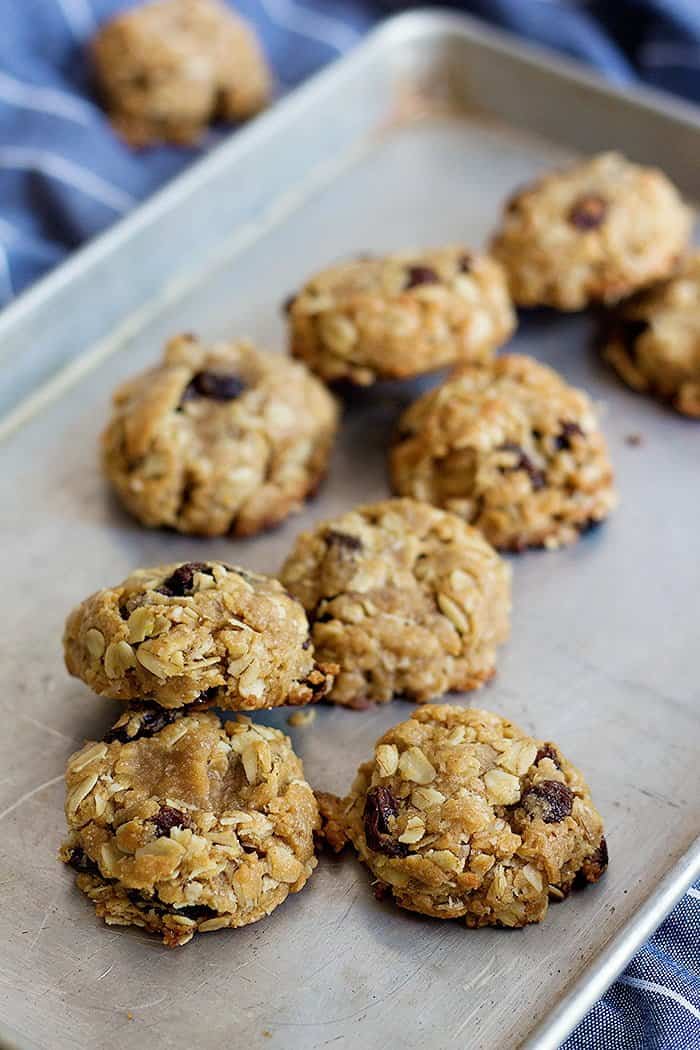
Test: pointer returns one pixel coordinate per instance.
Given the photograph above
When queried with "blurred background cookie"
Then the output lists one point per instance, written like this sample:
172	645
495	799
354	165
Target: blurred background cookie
169	68
653	340
595	232
400	315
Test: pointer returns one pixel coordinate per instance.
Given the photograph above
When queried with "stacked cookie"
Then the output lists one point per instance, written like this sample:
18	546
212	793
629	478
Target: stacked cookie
182	822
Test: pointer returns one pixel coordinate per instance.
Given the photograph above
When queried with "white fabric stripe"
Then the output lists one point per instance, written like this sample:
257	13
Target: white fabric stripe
651	986
692	892
7	290
44	100
661	54
79	17
23	158
312	24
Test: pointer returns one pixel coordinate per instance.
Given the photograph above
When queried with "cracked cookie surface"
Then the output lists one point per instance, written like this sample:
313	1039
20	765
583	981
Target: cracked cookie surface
400	315
595	232
218	439
653	340
405	599
188	824
172	67
462	815
195	631
512	449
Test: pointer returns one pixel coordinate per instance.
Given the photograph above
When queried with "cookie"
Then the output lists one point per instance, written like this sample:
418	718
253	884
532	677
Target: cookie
595	232
171	67
198	631
512	449
653	340
401	315
462	815
218	439
185	824
406	599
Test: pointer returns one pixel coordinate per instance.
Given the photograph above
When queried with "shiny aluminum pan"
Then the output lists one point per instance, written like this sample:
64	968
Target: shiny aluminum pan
415	138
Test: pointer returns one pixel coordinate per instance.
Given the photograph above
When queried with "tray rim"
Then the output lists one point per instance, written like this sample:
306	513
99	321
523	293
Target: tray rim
391	34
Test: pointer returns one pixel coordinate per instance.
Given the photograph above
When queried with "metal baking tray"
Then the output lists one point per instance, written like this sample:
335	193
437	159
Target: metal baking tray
414	139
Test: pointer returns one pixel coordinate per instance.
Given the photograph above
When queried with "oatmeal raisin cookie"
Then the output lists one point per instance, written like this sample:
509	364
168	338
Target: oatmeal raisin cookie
407	600
595	232
512	449
401	315
181	824
218	439
462	815
198	631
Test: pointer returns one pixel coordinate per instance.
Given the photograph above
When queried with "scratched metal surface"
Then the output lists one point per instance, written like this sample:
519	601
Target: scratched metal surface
603	652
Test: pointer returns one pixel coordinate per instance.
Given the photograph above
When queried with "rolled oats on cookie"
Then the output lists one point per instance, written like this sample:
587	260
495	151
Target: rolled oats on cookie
653	340
400	315
171	67
405	599
182	824
218	439
595	232
460	814
196	631
512	449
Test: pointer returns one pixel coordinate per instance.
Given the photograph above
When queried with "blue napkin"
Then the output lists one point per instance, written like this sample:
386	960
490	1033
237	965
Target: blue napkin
64	176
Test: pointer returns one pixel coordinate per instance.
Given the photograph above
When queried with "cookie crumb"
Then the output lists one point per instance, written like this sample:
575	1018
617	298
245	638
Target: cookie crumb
333	834
302	718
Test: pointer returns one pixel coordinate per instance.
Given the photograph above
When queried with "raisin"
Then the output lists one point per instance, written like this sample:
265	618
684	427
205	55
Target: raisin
588	212
568	430
380	808
197	911
590	525
306	644
549	800
420	275
548	751
523	462
152	721
206	696
180	583
627	332
381	890
343	540
593	867
288	304
168	818
80	862
464	263
217	386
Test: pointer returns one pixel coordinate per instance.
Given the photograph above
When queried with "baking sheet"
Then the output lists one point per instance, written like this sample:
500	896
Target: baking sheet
602	657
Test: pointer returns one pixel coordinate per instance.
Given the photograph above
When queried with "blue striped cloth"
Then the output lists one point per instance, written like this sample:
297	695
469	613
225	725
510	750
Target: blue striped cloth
64	176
